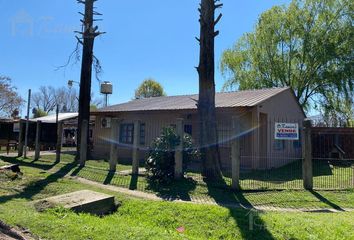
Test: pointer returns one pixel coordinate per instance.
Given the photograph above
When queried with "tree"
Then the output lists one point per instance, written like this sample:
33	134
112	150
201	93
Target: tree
306	46
47	97
206	103
149	88
37	113
10	100
87	39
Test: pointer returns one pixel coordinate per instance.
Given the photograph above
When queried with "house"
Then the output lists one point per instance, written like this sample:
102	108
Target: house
9	129
49	129
256	111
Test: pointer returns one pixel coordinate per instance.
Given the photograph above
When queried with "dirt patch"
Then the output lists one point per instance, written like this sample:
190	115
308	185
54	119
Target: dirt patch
8	175
10	233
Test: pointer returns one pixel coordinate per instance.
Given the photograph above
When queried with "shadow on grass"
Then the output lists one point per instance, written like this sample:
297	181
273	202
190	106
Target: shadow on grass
246	217
76	171
289	172
177	190
14	160
36	187
109	177
133	182
326	201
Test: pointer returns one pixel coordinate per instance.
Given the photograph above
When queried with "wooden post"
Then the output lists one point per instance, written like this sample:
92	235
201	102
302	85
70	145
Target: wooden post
113	159
27	123
83	143
135	167
179	150
20	141
235	153
59	140
307	173
38	141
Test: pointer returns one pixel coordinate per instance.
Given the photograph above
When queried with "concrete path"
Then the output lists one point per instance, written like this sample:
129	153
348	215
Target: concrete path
29	154
210	201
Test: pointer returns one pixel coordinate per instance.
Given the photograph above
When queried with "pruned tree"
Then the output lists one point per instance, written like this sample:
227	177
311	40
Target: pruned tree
10	100
86	38
206	104
149	88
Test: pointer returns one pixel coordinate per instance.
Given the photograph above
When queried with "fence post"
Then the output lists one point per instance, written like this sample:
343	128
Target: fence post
83	143
135	167
59	140
38	141
307	173
179	150
113	159
235	154
20	142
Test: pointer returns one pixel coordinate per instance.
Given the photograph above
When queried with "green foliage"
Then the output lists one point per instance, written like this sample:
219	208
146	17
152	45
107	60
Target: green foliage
10	100
37	113
307	45
161	160
93	107
149	88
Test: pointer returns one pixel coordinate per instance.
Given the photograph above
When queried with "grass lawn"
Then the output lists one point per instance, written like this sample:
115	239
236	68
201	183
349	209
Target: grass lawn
142	219
189	189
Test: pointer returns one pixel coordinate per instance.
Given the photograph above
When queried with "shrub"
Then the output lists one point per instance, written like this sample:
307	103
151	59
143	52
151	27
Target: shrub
161	160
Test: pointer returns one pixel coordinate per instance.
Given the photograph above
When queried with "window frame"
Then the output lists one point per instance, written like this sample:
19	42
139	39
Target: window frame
126	133
142	134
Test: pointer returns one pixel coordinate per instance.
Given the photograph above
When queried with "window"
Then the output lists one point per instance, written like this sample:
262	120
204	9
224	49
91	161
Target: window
279	145
126	133
188	129
142	134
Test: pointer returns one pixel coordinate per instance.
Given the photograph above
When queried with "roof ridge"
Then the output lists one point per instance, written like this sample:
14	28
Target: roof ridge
265	93
188	95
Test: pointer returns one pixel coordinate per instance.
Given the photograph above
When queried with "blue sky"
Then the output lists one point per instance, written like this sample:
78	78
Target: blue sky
144	39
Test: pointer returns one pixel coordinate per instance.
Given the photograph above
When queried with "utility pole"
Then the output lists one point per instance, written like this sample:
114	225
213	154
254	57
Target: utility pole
88	34
27	122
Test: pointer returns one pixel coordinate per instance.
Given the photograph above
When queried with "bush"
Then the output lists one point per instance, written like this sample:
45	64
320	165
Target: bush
161	160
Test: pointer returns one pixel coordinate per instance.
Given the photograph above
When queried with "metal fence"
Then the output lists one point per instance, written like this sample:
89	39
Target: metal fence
333	158
265	162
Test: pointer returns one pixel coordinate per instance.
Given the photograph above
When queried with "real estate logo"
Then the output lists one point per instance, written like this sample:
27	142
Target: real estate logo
286	131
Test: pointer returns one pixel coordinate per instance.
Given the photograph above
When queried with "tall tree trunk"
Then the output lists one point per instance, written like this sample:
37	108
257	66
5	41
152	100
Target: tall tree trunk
206	105
88	36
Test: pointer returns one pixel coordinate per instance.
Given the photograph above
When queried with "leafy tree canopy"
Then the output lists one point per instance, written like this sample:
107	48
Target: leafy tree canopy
10	100
149	88
307	45
37	113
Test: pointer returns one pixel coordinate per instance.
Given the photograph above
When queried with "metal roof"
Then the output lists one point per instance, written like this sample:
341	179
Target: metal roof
248	98
53	118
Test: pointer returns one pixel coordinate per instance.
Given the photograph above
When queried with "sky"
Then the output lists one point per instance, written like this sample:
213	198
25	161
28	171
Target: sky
144	39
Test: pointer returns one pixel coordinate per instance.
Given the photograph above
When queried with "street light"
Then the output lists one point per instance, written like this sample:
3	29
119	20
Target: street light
71	83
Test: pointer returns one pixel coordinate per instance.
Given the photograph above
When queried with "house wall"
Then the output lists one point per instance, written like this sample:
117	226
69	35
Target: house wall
257	140
285	109
154	122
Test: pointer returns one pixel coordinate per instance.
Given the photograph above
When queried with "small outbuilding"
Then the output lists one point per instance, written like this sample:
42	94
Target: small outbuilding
260	114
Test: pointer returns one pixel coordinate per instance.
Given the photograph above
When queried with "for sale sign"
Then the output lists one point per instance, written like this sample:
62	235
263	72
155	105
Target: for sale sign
286	131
